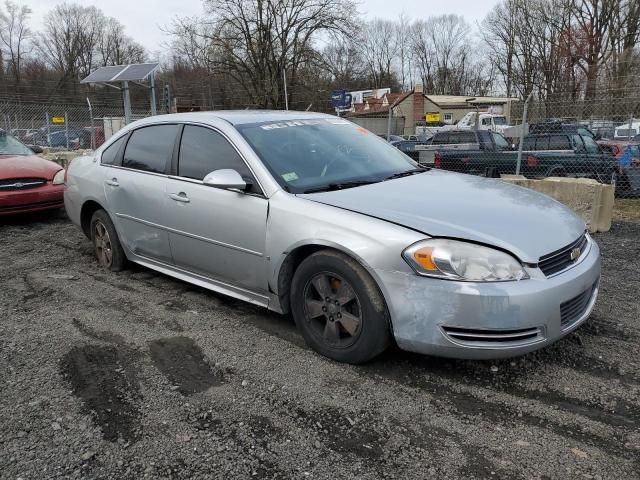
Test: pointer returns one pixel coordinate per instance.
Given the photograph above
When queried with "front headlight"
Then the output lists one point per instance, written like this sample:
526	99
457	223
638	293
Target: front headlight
58	178
456	260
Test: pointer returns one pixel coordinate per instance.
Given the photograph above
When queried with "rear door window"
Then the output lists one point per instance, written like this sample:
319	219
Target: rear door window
542	143
529	143
559	142
462	137
150	149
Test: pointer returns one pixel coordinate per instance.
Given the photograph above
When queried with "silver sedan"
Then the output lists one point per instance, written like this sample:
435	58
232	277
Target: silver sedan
311	215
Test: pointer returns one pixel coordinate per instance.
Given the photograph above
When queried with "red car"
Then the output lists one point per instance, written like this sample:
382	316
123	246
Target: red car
28	183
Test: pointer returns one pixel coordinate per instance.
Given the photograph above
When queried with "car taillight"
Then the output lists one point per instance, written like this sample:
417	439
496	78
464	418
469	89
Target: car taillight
437	160
532	161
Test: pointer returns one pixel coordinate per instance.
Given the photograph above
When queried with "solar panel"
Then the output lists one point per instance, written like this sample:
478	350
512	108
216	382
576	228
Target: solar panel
104	74
138	71
121	73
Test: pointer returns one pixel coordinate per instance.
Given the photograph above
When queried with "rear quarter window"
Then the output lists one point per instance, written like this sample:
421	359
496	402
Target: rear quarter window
110	154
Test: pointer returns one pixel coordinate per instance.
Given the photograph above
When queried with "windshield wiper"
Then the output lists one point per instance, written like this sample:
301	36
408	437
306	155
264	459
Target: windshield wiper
406	173
339	186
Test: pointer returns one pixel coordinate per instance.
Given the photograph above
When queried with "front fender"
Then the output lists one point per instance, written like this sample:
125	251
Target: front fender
295	222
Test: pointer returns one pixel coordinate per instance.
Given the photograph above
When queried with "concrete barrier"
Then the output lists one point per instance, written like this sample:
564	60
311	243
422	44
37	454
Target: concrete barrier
63	158
591	200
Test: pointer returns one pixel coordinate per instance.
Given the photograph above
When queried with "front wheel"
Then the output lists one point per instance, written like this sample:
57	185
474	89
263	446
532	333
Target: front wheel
105	241
339	308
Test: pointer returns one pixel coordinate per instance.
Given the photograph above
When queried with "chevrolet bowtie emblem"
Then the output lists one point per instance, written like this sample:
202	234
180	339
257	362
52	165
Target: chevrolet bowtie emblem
575	254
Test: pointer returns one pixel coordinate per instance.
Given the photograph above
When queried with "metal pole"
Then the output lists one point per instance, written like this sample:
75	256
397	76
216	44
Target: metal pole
286	96
389	119
93	130
46	119
127	103
524	123
66	130
153	94
630	126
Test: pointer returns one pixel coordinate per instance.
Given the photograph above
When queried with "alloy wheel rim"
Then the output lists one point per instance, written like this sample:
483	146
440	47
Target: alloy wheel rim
104	250
332	310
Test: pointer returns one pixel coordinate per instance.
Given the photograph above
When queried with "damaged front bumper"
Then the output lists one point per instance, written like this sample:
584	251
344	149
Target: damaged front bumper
489	320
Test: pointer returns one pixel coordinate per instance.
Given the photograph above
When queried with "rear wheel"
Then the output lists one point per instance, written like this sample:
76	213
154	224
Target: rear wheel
338	308
105	241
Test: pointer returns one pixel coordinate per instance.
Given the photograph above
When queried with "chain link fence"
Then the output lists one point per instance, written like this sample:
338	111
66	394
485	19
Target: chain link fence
63	126
555	138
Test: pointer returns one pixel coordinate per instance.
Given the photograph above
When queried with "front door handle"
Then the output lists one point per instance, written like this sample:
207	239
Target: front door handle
179	197
113	182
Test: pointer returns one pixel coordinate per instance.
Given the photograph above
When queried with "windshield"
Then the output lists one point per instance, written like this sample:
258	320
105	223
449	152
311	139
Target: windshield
591	145
500	120
308	155
501	142
12	146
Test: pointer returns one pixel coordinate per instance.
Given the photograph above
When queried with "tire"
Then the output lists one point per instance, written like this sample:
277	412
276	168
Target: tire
106	244
351	323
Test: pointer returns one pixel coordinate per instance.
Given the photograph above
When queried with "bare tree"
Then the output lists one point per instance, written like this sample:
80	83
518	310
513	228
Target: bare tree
14	37
378	45
115	47
257	42
69	38
342	59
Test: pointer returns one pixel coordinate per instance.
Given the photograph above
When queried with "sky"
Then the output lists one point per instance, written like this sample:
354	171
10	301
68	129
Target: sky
143	19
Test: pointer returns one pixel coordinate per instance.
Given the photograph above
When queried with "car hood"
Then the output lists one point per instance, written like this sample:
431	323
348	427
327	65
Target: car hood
30	166
443	204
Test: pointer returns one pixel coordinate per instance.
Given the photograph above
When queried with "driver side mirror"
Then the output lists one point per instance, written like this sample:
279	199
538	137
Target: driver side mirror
36	149
227	179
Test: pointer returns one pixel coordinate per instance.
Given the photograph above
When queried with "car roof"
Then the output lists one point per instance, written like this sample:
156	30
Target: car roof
237	117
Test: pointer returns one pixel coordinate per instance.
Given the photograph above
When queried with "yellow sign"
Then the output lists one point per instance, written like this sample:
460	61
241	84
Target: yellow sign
57	120
432	117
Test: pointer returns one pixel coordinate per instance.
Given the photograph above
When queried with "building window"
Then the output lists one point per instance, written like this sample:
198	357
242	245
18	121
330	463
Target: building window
447	117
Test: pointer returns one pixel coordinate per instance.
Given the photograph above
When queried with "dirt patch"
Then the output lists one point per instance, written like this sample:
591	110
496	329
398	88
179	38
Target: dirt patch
184	364
104	379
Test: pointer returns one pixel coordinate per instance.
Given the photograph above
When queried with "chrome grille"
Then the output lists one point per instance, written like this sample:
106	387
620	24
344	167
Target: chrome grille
21	183
559	260
573	309
474	336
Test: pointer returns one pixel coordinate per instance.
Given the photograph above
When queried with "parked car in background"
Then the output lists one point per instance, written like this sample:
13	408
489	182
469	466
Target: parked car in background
23	134
28	183
464	140
99	135
311	214
61	136
391	138
416	138
544	155
627	130
627	155
548	127
482	121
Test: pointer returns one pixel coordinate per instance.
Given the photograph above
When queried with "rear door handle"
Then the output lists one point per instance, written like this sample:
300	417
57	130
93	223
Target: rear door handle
179	197
112	183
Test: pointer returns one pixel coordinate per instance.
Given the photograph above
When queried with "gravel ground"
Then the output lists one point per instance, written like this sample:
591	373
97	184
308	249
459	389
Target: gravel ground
137	375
